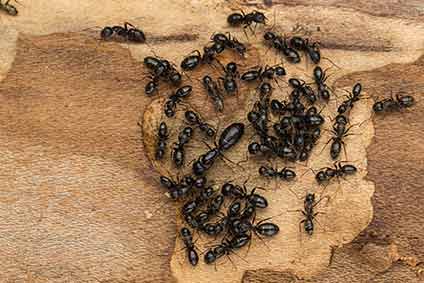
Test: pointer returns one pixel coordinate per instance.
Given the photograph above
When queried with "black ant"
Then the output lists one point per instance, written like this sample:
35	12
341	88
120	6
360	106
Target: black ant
308	211
339	132
320	78
128	32
284	174
226	247
262	73
280	44
194	119
175	98
187	238
327	173
161	141
8	8
240	192
178	154
162	69
237	19
301	88
228	138
302	44
177	189
213	92
347	105
229	79
393	104
221	41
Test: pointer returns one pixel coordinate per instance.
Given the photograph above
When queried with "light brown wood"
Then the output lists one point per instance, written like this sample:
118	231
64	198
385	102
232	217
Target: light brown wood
79	202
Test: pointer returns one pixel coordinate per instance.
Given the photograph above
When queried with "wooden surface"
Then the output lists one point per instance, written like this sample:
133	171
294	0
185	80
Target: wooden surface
77	190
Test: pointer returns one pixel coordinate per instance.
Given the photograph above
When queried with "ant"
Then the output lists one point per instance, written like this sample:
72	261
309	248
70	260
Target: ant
284	174
161	141
226	247
228	80
308	211
280	44
178	189
300	87
8	8
339	132
393	104
192	256
190	62
213	92
178	151
237	19
238	192
353	97
327	173
228	138
175	98
162	69
194	119
221	41
132	34
320	78
302	44
260	74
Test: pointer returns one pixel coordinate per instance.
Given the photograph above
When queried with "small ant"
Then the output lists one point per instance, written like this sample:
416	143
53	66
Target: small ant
162	69
300	87
221	41
178	154
229	78
352	98
280	44
161	141
132	34
284	174
302	44
339	132
214	92
226	247
393	104
320	78
308	212
237	19
194	119
8	8
327	173
175	98
262	73
238	192
192	256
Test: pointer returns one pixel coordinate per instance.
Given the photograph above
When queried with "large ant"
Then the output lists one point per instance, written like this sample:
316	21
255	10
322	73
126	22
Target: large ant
175	98
187	238
8	8
228	138
132	34
393	104
221	41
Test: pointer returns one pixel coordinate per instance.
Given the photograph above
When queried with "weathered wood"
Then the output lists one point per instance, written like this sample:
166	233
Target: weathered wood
76	201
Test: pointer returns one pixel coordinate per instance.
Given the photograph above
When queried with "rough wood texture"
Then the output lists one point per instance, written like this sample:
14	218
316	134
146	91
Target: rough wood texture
74	189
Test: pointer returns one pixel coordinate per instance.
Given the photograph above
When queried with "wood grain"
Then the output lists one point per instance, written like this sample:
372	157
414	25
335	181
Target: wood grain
73	163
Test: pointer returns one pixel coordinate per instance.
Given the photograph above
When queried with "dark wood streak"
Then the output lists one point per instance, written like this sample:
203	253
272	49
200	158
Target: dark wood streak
179	37
356	47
